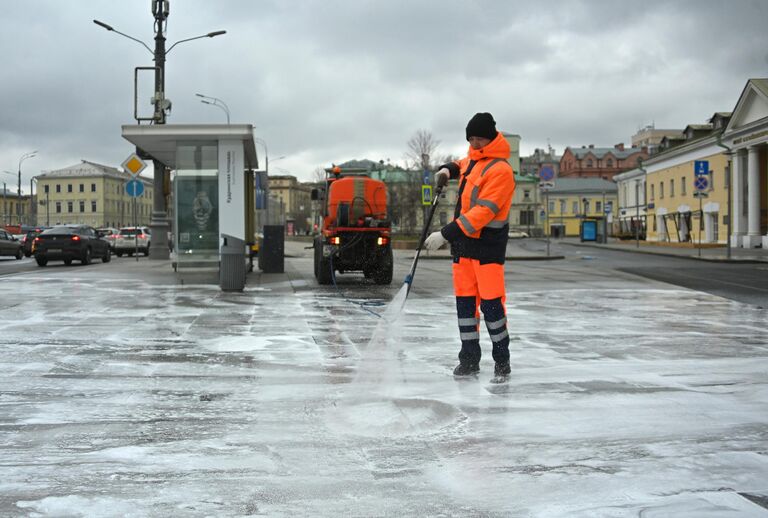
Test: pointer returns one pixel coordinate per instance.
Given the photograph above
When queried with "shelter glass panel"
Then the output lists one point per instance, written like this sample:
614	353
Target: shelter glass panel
196	207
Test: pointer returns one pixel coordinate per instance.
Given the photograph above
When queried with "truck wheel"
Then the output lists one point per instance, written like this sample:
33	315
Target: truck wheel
383	273
322	266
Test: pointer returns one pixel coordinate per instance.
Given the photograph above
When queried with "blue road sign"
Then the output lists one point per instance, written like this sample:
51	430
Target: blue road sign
546	173
134	188
701	183
701	168
608	207
426	176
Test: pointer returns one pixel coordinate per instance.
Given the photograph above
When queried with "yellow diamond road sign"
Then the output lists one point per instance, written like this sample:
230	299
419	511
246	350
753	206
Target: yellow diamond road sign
133	164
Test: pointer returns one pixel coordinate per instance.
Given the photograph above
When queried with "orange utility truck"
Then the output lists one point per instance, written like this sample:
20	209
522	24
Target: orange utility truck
356	233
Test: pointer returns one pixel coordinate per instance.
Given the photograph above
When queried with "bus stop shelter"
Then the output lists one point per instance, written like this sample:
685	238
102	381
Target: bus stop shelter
210	180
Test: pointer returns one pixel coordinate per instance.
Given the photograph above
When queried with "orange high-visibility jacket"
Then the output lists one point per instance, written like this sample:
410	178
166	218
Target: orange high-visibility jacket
487	184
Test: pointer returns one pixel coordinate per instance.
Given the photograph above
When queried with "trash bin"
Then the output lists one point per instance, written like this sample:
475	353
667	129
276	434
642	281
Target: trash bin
232	265
272	249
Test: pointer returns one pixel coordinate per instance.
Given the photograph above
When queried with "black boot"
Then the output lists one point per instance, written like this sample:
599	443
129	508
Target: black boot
501	372
466	369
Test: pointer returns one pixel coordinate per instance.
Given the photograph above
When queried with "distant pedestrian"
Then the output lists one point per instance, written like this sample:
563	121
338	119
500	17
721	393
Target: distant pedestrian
478	238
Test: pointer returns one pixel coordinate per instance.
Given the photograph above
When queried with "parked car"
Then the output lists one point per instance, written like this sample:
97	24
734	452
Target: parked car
130	238
68	242
517	234
110	234
10	245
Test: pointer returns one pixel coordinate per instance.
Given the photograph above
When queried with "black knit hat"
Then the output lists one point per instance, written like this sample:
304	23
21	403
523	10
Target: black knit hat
482	125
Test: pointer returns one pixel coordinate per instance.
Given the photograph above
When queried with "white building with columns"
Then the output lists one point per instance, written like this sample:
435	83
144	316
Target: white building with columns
747	136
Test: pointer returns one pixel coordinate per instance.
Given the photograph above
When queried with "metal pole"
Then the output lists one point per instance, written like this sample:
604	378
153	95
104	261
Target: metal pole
546	217
637	212
701	222
159	222
47	210
728	220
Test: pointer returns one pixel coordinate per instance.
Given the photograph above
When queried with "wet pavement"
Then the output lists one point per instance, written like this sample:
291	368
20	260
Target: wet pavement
127	393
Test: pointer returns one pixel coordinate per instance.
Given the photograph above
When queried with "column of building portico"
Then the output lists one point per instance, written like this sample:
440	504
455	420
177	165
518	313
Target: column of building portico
753	239
738	223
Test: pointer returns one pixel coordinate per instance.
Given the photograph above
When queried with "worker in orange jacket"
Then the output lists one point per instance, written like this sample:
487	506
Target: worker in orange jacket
478	238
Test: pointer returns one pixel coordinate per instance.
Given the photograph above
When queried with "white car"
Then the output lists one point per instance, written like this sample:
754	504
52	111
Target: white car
110	234
517	234
129	239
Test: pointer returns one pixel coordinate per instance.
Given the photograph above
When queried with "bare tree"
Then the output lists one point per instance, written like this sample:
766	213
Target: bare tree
318	175
421	150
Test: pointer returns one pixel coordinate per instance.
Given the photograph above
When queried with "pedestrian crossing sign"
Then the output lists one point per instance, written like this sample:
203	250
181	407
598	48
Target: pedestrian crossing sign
426	195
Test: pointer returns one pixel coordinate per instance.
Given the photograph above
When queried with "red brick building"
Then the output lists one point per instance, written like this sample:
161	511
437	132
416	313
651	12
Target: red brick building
599	162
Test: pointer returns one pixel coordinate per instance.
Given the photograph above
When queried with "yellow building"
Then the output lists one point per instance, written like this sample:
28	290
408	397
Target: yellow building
294	198
572	200
678	211
15	209
91	194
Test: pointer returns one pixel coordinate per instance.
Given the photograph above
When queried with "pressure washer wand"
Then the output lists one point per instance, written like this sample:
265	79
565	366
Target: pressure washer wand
409	277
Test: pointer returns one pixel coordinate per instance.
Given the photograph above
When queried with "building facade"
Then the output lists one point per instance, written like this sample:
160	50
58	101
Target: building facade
294	198
605	163
746	135
649	137
91	194
572	200
630	220
532	164
16	210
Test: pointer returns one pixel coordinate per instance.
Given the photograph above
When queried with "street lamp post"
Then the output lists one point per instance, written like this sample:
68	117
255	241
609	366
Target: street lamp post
206	99
159	223
25	156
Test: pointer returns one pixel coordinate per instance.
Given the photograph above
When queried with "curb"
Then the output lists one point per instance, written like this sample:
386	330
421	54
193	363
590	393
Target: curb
668	254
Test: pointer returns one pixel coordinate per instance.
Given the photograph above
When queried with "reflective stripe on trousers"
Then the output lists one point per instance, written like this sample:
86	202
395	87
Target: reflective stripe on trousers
481	287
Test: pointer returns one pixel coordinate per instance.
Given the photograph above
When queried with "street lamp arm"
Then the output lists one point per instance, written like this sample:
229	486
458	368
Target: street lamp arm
209	35
112	29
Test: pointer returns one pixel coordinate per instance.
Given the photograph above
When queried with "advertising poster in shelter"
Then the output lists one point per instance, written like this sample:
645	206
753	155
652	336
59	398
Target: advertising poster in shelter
197	201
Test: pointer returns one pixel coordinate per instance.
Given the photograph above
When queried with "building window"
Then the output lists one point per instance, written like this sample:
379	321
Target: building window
609	163
551	207
562	207
683	187
93	187
58	187
575	207
82	187
45	189
58	207
82	206
671	188
69	188
93	206
70	207
527	195
589	162
586	206
661	190
653	192
598	207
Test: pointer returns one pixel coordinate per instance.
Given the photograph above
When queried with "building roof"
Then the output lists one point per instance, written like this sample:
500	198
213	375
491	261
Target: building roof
582	185
85	169
600	152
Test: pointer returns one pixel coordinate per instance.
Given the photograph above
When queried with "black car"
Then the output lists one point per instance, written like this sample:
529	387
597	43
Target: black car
68	242
29	239
9	245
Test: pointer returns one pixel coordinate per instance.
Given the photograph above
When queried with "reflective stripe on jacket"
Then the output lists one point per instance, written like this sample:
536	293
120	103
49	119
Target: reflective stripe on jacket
487	184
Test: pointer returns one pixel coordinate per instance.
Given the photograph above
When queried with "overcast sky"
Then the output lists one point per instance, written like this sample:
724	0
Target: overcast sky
328	81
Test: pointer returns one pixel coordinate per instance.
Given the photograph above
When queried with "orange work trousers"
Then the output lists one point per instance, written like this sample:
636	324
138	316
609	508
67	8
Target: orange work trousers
482	281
